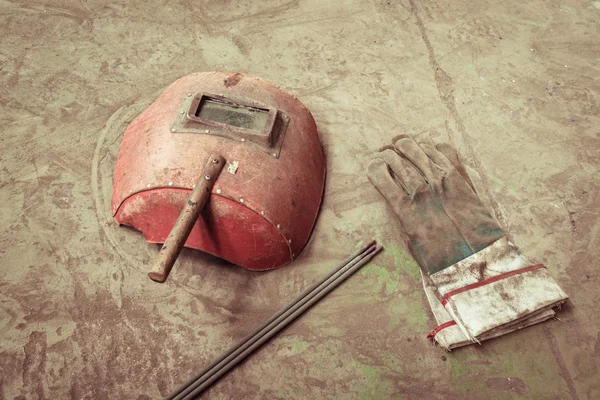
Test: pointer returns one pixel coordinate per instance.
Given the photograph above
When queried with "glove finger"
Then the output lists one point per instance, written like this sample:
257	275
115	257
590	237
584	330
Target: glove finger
409	149
379	175
398	137
452	155
425	139
402	171
437	157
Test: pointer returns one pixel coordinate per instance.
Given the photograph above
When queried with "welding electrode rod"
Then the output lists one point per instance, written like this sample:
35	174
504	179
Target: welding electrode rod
282	324
277	323
186	386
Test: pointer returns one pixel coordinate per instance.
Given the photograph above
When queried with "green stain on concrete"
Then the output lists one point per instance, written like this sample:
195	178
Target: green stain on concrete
407	314
416	317
385	279
392	275
332	331
530	366
536	358
372	385
460	383
391	287
369	372
347	226
457	368
373	269
508	365
403	260
299	346
541	366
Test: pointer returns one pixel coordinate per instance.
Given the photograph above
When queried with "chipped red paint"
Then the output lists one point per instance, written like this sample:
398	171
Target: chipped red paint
156	170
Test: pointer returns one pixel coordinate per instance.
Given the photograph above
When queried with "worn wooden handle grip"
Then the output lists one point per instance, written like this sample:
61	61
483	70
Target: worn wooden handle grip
184	224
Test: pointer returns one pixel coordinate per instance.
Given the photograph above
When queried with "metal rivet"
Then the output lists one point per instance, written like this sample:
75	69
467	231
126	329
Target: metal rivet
215	161
285	116
189	95
274	154
256	78
130	190
243	140
293	255
181	112
172	129
193	186
219	191
278	226
207	131
262	213
290	241
241	200
170	183
207	177
148	185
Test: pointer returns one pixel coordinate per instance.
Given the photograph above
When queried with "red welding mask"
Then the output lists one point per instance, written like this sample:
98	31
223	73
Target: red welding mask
264	204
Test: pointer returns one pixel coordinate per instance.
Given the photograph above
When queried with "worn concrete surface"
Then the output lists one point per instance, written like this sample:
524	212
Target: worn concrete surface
513	84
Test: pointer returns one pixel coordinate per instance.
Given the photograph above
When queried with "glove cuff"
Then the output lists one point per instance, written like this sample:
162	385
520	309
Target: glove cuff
490	293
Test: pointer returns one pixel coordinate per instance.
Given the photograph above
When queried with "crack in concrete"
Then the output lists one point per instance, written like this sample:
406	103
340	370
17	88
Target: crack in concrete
444	85
443	82
563	371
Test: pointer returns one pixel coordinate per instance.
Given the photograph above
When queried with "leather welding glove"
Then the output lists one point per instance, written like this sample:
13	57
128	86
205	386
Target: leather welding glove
478	284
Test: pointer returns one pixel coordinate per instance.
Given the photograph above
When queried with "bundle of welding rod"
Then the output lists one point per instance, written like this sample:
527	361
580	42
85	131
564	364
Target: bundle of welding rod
209	375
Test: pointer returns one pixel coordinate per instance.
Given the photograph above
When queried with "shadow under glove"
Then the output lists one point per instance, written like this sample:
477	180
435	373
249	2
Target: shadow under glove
478	284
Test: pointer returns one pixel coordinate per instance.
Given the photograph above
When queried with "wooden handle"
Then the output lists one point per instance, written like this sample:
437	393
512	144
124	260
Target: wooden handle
184	224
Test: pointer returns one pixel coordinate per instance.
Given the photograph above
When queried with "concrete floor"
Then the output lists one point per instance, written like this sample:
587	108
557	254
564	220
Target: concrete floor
513	84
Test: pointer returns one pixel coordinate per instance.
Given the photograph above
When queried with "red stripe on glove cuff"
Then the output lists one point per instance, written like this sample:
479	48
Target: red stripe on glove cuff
434	332
489	280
